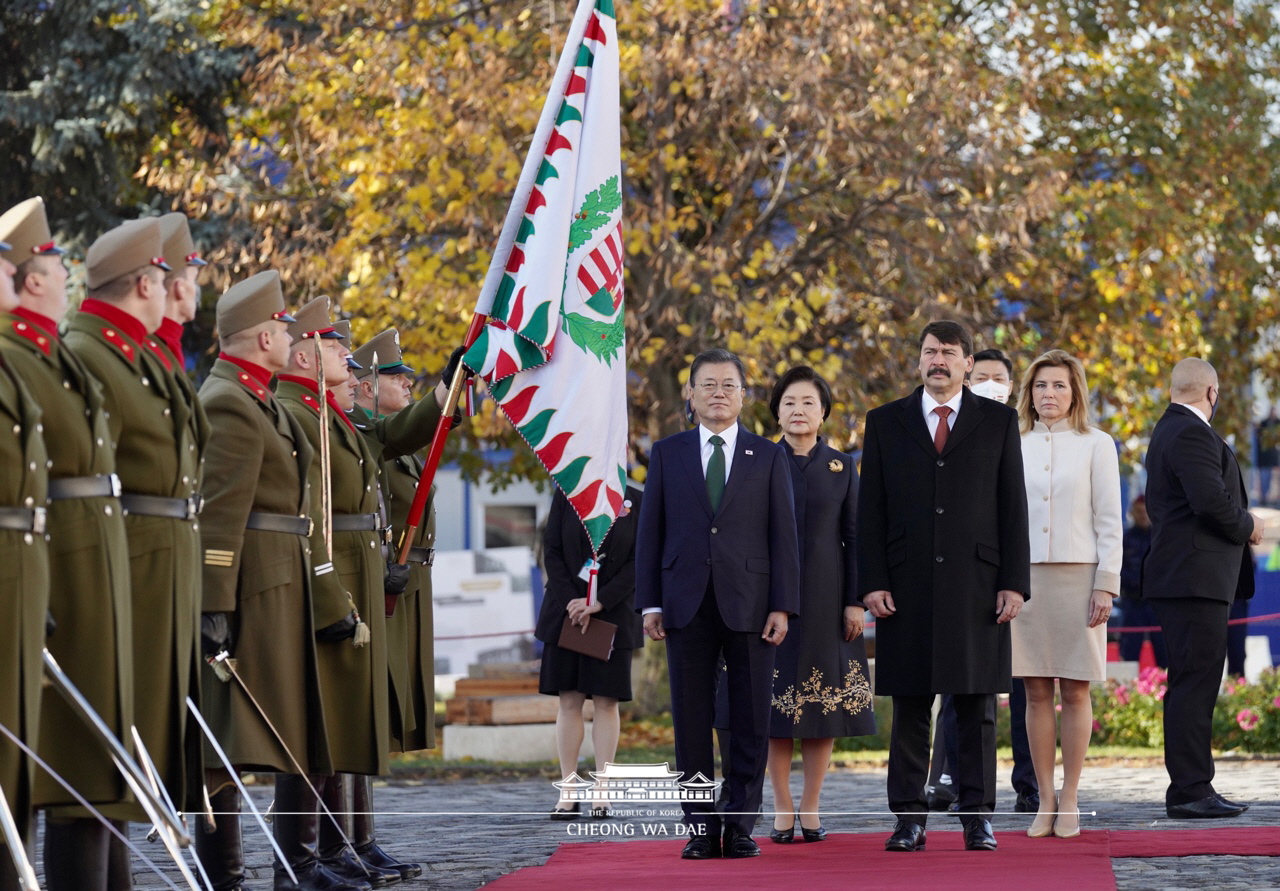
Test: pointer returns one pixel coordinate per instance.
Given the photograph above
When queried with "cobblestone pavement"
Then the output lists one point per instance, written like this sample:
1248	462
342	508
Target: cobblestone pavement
469	832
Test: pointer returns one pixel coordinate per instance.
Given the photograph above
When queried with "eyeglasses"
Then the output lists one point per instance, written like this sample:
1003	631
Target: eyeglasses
709	388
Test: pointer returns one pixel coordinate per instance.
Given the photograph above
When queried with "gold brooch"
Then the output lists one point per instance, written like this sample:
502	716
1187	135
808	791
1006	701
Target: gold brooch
835	465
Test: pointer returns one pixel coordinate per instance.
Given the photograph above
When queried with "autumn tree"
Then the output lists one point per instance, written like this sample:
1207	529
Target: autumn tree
85	89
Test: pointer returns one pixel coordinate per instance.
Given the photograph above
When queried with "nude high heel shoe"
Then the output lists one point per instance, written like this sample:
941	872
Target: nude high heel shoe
1043	825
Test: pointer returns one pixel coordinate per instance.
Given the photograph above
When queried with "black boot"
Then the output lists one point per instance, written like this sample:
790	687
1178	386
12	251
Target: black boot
335	851
220	848
75	855
119	869
371	854
296	827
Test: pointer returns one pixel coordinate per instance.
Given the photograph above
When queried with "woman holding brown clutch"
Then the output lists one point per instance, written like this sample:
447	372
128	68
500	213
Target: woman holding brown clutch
576	677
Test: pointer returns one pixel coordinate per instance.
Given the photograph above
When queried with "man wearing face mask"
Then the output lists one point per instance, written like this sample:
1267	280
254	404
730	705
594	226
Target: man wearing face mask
1199	563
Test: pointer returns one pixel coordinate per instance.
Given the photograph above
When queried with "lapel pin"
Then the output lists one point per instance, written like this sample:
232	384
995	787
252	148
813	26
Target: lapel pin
835	465
748	451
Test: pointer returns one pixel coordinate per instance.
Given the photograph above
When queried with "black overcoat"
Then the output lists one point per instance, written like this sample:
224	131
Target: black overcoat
942	533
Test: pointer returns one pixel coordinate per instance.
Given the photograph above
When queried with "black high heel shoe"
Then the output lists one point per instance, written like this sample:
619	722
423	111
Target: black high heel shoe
783	836
565	814
814	835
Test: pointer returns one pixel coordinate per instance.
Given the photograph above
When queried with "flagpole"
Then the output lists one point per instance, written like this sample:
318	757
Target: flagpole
498	263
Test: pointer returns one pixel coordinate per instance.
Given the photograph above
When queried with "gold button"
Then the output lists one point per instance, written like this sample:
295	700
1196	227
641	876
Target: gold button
27	538
32	465
29	502
1046	467
1046	528
107	510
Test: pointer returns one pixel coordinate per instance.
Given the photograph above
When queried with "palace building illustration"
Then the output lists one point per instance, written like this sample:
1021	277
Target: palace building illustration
636	782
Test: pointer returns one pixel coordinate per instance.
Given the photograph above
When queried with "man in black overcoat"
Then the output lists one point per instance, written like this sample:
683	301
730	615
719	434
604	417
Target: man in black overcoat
944	566
1198	564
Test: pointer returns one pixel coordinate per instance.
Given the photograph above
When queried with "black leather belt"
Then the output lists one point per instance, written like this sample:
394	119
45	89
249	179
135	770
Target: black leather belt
356	523
156	506
425	556
101	486
23	519
290	523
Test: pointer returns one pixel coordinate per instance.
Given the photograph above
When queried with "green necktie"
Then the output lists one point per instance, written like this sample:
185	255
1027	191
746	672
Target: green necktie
715	473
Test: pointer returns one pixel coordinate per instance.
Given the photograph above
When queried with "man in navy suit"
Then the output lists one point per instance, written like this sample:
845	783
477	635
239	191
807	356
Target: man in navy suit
718	572
1199	563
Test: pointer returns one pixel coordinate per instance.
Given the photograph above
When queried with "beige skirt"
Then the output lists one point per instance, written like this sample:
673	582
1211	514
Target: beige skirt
1051	635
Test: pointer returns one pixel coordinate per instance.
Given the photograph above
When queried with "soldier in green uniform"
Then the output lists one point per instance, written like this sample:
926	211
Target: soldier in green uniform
353	677
156	460
24	582
395	429
257	570
88	556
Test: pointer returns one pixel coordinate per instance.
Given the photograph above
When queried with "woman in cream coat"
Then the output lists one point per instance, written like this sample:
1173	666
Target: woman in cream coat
1076	524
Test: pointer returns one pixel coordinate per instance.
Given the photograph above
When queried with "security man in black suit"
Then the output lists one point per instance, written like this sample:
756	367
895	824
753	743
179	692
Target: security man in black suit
1198	564
944	563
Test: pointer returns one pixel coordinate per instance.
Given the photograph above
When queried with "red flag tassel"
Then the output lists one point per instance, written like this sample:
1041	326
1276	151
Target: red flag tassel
591	587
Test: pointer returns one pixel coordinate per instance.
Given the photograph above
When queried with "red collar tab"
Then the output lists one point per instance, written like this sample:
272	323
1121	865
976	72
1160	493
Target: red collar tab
253	376
127	324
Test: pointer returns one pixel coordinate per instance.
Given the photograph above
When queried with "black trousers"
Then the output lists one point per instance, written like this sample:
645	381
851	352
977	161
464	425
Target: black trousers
692	655
1024	773
975	772
1195	634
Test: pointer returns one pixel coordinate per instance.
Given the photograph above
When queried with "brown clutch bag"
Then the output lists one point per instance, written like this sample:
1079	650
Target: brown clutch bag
597	642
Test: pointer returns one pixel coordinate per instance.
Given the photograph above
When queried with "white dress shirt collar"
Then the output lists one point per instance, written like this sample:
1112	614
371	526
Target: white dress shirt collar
928	403
1195	411
730	437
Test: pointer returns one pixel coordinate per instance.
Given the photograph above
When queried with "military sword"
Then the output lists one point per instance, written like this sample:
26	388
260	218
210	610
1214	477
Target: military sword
326	484
235	778
297	765
148	766
84	803
133	775
17	851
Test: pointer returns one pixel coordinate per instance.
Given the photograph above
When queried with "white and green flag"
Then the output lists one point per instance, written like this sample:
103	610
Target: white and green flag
552	350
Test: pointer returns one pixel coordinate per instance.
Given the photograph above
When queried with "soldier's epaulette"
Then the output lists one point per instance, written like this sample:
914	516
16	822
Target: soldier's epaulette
159	353
116	339
30	332
311	402
250	383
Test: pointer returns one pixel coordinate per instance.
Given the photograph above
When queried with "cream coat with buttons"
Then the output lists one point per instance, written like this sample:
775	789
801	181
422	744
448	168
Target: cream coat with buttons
1073	500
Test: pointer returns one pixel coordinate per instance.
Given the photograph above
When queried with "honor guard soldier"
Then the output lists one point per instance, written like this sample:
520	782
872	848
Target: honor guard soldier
257	572
148	417
395	428
353	676
88	557
24	584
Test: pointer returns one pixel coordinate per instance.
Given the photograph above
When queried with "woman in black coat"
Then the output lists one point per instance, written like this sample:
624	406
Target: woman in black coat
820	688
572	676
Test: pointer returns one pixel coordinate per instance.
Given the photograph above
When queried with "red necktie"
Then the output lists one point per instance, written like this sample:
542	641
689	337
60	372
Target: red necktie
940	435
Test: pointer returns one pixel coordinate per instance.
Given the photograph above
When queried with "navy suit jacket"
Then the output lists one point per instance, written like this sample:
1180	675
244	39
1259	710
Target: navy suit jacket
748	549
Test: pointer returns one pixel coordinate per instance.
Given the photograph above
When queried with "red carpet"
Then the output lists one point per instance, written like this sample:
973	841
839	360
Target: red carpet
1251	841
841	862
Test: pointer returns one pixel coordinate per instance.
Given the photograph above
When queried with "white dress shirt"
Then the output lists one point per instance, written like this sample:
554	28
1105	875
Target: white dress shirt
1197	412
928	403
730	437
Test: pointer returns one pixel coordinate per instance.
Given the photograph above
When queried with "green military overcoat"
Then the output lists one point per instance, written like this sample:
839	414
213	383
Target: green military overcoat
257	460
353	679
395	438
24	590
88	572
157	455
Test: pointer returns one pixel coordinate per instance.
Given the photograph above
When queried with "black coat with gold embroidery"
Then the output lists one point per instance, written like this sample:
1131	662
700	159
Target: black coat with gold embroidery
353	679
88	572
257	460
149	420
24	590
